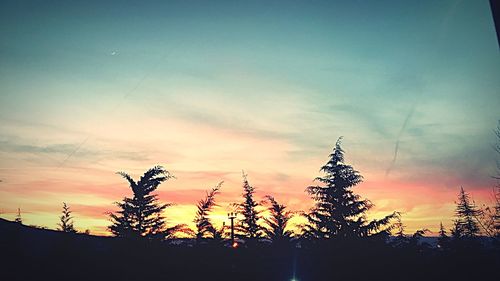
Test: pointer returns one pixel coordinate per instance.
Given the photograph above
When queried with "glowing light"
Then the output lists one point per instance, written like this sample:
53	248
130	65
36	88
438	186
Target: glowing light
235	245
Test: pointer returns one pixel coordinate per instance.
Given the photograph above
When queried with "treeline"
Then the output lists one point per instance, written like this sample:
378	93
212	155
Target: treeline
338	213
336	242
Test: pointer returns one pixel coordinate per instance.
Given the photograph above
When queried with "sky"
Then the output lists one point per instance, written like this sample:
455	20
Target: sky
211	88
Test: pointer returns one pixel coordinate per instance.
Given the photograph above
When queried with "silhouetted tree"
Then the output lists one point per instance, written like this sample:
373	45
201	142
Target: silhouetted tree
276	225
497	148
338	212
443	239
141	215
203	225
456	230
217	234
66	224
400	239
249	226
496	214
18	218
488	218
466	212
414	241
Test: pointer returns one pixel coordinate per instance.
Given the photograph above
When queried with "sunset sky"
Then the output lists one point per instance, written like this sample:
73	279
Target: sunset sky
210	89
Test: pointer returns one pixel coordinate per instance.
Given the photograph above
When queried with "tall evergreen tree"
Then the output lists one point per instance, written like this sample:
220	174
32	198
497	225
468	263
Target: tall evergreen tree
442	231
276	230
338	212
443	239
66	224
456	230
466	213
204	227
249	226
141	215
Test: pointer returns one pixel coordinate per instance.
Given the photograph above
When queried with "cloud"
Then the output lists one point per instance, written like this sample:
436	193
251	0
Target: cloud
64	148
61	153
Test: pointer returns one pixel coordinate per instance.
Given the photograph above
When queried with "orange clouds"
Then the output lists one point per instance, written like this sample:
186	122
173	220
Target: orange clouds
422	205
200	156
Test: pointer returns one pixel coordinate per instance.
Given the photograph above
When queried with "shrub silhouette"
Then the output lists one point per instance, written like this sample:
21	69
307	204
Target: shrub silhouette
66	224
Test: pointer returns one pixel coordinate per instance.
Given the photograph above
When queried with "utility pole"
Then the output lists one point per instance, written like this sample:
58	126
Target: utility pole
232	216
18	218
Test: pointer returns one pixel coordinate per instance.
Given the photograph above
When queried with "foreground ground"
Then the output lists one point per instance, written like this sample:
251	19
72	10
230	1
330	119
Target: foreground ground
34	254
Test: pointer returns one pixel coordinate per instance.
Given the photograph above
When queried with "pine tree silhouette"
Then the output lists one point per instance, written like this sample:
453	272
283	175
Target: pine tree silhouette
204	227
456	230
443	239
466	213
338	211
249	227
66	224
141	215
276	230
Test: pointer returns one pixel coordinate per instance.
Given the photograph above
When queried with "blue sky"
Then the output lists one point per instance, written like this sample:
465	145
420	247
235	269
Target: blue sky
268	87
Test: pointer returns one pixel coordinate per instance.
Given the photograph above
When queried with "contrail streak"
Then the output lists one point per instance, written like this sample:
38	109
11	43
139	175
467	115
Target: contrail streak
73	152
442	32
403	128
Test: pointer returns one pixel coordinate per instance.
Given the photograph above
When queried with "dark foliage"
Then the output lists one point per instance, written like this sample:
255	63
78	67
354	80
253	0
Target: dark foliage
443	239
276	230
338	211
141	215
496	214
204	227
249	227
466	213
400	239
66	224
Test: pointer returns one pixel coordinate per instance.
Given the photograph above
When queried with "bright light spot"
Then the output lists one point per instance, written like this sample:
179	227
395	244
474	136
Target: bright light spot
235	245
